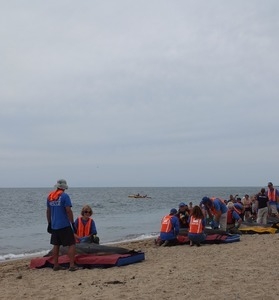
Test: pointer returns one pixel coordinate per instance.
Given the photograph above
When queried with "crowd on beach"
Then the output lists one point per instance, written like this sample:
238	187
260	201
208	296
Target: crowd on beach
219	214
224	214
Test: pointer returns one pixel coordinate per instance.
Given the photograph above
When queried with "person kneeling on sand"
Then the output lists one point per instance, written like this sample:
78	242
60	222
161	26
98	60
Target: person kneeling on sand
169	229
196	233
86	227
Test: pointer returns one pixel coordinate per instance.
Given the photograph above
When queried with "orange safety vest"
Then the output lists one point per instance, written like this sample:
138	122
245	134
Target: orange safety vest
54	195
166	225
83	230
195	225
272	195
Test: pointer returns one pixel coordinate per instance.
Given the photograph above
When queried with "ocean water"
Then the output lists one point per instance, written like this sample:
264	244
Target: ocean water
118	218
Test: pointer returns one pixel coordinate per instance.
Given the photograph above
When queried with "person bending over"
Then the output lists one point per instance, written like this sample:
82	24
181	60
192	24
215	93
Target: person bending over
216	209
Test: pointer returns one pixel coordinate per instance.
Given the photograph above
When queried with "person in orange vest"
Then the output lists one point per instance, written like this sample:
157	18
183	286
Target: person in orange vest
273	197
86	227
169	229
196	233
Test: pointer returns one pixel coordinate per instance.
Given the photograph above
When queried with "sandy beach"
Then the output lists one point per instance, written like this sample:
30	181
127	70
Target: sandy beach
243	270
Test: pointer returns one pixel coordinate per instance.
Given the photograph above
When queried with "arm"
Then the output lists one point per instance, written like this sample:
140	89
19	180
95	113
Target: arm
48	215
93	228
237	219
70	214
175	223
203	223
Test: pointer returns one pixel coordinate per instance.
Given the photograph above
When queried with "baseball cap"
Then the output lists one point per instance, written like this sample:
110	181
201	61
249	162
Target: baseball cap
173	211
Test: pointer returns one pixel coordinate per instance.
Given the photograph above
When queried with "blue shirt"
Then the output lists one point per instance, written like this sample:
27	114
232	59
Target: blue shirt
59	217
220	206
235	216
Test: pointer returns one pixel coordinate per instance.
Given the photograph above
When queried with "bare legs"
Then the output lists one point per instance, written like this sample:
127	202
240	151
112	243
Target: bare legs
71	254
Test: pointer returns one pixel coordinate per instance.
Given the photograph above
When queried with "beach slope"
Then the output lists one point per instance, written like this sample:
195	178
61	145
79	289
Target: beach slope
243	270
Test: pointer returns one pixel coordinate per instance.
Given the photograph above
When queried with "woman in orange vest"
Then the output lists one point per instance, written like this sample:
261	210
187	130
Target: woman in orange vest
196	233
86	228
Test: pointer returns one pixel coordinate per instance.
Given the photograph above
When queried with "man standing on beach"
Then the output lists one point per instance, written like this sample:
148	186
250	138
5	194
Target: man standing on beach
61	223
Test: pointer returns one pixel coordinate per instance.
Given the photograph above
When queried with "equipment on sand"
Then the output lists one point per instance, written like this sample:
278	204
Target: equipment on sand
91	256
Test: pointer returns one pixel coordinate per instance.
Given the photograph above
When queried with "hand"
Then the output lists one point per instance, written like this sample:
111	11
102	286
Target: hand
49	229
83	239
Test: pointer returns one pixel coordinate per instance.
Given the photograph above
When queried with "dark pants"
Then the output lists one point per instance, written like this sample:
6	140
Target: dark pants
63	236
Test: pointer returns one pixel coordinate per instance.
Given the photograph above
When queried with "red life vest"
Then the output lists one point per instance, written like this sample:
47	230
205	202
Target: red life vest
166	225
230	219
83	230
195	225
54	195
272	195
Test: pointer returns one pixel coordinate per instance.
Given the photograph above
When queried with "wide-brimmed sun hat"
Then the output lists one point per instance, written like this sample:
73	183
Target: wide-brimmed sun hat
61	184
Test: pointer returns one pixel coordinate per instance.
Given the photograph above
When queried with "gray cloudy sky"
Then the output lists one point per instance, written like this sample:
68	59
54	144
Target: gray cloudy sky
139	93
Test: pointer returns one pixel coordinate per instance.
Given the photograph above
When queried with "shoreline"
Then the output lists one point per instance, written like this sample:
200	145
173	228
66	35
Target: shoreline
212	271
43	252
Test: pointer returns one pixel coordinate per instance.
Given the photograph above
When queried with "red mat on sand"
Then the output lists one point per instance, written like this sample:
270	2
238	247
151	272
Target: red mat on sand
90	261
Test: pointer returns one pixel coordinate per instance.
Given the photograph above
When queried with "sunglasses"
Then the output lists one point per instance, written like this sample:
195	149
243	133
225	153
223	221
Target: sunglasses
87	212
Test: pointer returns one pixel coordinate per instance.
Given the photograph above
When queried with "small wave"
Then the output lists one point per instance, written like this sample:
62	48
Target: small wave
11	256
135	237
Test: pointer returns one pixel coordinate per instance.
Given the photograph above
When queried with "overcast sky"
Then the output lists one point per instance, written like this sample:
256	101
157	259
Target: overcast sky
139	93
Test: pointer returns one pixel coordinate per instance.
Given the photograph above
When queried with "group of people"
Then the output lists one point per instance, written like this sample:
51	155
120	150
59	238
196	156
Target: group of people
220	214
226	215
64	230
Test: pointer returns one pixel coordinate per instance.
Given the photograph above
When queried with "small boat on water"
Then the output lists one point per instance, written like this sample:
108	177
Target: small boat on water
138	196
